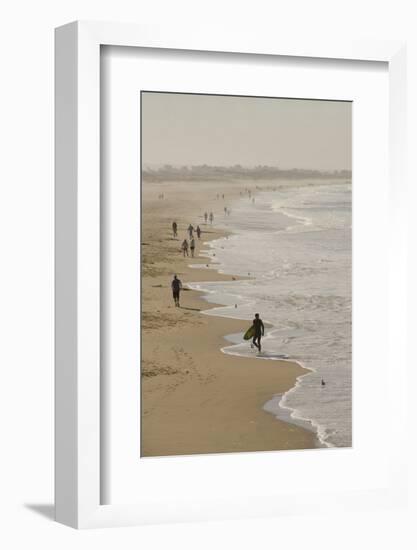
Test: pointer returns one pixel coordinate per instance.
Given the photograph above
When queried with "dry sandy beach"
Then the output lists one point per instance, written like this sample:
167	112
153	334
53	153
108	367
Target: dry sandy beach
194	398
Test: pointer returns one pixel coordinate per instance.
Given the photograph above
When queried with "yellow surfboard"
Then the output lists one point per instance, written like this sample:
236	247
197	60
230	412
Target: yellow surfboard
249	333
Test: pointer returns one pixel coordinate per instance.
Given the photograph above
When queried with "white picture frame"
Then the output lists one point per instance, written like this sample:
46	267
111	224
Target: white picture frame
77	500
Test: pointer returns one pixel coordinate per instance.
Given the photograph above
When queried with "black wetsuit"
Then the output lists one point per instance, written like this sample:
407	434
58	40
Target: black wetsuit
259	331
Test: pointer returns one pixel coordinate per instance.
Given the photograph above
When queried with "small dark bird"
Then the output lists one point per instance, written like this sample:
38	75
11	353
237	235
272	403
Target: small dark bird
323	383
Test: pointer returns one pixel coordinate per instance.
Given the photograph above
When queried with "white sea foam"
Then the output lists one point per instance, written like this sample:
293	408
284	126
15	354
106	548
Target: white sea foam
295	243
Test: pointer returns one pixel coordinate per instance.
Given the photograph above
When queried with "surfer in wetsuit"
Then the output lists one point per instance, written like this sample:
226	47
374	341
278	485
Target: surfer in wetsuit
176	286
259	331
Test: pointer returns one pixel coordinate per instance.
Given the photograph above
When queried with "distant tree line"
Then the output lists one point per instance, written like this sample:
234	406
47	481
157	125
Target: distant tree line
205	172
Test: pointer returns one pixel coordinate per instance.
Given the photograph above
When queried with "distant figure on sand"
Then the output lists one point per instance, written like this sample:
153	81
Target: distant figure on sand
205	217
211	217
190	230
198	231
259	331
176	286
174	228
184	247
192	246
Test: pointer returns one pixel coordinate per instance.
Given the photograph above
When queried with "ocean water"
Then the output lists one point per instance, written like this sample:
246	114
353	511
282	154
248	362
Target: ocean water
294	244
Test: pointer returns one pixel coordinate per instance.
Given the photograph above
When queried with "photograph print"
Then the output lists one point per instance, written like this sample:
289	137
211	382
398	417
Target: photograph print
246	258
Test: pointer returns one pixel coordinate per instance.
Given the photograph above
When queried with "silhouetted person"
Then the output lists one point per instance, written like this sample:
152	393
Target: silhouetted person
176	286
259	331
174	228
211	217
184	247
192	246
198	231
190	230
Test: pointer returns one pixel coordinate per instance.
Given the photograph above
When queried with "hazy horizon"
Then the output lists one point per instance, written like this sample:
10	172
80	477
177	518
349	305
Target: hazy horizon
190	129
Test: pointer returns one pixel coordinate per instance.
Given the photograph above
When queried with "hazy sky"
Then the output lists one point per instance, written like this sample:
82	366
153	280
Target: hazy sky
186	129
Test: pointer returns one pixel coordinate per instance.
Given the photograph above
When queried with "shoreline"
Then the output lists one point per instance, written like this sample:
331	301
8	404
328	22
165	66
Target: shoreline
285	412
196	399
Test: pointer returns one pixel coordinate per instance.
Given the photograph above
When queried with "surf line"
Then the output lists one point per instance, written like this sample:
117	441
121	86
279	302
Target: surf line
283	412
277	404
294	416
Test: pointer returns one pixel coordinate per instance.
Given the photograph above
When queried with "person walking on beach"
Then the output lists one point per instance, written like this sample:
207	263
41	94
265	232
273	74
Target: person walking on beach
174	228
176	286
190	230
198	231
259	331
205	217
211	217
184	247
192	246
